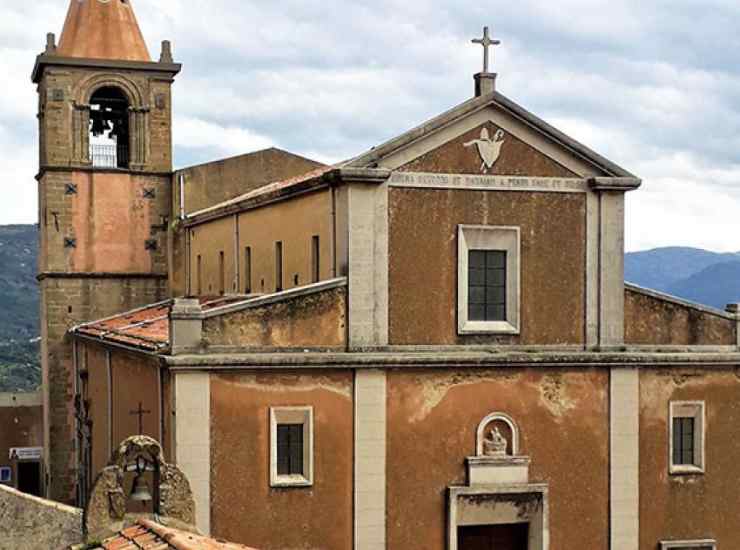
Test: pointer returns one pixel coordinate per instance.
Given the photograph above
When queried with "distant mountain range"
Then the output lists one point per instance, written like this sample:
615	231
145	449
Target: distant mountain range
708	278
19	309
698	275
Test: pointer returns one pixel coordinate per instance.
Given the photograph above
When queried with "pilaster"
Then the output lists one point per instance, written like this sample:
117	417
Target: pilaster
624	463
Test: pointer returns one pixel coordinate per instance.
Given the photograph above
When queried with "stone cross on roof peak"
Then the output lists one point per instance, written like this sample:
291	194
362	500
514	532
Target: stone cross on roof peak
486	42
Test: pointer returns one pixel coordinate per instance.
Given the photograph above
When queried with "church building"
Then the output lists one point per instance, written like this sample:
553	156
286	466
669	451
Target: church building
430	345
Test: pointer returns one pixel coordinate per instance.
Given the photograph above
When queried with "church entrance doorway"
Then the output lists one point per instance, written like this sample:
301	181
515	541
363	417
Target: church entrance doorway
494	537
29	477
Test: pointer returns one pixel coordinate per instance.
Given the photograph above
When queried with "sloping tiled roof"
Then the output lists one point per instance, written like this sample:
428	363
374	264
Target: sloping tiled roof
148	535
145	328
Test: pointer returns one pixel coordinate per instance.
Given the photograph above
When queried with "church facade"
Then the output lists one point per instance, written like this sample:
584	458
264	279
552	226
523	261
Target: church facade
430	345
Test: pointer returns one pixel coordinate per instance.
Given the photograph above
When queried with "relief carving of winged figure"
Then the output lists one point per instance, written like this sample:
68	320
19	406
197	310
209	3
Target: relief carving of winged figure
489	149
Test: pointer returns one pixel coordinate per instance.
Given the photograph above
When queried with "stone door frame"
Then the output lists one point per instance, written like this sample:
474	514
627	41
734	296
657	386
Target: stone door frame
509	506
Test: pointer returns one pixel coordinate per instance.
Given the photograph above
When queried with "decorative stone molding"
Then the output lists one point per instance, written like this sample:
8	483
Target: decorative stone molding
480	435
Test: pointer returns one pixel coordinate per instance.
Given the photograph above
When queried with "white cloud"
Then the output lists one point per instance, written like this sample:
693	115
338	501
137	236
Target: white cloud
652	85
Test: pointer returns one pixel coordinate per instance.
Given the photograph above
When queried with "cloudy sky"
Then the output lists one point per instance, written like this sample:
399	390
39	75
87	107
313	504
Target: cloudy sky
654	86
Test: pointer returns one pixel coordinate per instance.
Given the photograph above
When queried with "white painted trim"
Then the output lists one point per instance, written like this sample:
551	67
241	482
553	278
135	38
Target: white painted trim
193	439
592	269
423	180
624	462
704	544
302	416
370	460
611	268
503	417
697	411
539	532
501	118
490	237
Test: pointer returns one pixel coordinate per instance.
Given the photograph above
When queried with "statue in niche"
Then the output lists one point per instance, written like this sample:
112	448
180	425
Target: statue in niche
495	444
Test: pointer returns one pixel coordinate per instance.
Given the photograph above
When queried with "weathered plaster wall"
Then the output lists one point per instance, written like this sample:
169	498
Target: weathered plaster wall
109	219
133	380
293	222
649	320
209	184
244	507
314	320
30	523
517	158
212	183
423	263
208	242
563	419
695	506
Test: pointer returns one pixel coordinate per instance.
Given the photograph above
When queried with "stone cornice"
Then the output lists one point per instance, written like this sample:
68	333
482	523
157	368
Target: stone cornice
46	60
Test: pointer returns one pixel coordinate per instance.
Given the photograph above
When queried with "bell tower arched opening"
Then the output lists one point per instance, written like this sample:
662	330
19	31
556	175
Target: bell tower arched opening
109	128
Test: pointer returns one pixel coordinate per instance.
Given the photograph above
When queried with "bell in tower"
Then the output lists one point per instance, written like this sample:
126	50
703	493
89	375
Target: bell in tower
105	137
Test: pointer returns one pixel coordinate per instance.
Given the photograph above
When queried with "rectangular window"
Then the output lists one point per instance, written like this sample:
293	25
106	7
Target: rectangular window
488	280
315	257
199	275
6	475
487	285
683	441
291	446
687	437
248	270
290	449
278	266
221	274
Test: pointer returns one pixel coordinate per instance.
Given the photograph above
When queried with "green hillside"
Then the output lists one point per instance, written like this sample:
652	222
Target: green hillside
19	309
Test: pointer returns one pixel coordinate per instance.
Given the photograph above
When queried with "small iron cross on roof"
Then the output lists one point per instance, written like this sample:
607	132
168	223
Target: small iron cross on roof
141	412
486	42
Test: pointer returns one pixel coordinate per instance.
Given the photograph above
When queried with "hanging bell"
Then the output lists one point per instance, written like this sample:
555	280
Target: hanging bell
140	491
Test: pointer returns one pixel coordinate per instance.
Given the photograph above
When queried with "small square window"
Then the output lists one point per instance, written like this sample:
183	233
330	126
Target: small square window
687	437
291	446
6	474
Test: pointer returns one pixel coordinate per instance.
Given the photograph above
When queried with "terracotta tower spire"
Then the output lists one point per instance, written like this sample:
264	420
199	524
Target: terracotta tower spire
102	29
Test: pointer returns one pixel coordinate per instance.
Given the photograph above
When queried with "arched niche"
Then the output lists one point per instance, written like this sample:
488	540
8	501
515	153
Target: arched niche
136	144
504	418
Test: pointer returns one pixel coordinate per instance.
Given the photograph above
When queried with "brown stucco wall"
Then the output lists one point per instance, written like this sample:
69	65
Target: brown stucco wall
212	183
649	320
209	241
294	222
315	320
690	507
563	418
21	424
423	263
133	380
244	507
516	159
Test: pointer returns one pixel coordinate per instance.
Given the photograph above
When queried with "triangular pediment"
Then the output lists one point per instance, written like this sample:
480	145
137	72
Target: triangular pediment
489	135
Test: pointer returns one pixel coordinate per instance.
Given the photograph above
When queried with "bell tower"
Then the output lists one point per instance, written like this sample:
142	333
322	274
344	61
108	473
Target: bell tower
105	165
